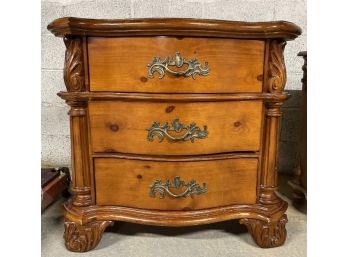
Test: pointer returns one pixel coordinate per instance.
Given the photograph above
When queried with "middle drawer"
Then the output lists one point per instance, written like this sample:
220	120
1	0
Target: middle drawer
164	128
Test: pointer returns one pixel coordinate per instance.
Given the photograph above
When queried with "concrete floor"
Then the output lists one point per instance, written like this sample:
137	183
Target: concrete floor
220	239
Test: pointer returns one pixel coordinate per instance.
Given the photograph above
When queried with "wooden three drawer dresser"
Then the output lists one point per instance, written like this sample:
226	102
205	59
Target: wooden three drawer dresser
174	122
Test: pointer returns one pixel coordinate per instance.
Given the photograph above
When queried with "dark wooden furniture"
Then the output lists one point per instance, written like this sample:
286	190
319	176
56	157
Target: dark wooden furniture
299	183
54	183
174	122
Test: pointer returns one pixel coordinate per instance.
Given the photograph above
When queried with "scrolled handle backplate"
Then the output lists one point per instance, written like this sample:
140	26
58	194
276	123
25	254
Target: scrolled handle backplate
194	67
192	131
192	188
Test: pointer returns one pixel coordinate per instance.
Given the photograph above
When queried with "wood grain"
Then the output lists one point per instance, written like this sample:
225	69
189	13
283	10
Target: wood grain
173	27
228	181
88	96
113	103
119	64
119	127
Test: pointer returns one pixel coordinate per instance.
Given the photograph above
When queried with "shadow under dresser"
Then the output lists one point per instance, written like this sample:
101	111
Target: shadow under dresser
174	122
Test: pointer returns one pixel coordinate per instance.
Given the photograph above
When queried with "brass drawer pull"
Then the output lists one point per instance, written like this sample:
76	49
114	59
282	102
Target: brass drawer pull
194	67
192	188
192	131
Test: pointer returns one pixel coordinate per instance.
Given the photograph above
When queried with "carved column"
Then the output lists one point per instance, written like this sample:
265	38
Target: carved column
269	177
74	74
275	85
79	236
74	78
271	233
79	154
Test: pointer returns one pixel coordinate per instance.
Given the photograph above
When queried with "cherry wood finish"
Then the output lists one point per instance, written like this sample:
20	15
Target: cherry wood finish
251	171
118	127
111	70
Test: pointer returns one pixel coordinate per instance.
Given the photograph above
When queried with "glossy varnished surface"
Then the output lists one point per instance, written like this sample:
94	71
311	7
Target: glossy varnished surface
109	127
173	26
119	64
228	182
118	126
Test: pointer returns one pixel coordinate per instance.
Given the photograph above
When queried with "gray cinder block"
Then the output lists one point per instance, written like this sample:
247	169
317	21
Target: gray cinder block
103	9
51	83
239	10
170	8
49	12
293	81
55	120
52	52
292	61
55	150
292	10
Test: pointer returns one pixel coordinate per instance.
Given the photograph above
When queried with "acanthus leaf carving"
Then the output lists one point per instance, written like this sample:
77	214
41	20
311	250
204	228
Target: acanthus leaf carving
73	65
82	238
267	235
277	70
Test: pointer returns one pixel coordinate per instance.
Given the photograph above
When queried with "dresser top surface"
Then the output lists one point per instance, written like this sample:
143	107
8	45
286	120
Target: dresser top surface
72	26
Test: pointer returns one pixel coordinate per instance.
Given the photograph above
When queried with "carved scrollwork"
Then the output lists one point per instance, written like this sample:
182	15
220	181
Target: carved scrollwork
192	131
277	70
267	235
82	238
192	188
193	67
73	66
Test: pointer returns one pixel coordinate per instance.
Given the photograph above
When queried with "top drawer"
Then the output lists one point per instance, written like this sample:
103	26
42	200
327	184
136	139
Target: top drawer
120	64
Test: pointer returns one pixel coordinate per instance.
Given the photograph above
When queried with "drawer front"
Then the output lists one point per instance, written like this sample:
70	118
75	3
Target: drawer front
192	185
120	64
192	128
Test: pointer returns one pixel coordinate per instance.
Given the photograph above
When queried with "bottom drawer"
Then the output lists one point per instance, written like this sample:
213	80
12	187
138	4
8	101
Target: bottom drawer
187	185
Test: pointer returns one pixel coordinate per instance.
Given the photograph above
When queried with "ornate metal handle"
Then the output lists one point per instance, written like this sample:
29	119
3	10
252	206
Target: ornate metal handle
192	131
192	188
194	67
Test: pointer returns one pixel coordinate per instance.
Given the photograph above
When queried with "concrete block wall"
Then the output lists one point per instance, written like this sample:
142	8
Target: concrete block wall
55	123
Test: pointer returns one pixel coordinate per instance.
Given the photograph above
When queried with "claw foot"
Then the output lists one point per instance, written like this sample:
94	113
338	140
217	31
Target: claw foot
82	238
267	235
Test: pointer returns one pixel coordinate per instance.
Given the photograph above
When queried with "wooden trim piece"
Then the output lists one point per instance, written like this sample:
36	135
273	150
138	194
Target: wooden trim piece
74	67
276	70
172	158
85	62
265	67
172	218
87	96
80	162
173	27
269	177
90	159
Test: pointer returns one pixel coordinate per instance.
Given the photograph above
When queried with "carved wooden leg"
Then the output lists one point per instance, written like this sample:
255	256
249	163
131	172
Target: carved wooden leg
267	235
82	238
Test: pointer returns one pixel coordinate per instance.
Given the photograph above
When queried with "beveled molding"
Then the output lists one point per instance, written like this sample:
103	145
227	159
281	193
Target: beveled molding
87	96
84	226
177	158
173	27
264	213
